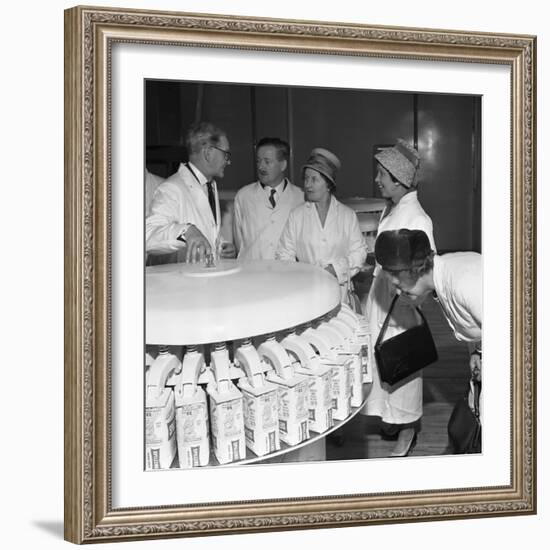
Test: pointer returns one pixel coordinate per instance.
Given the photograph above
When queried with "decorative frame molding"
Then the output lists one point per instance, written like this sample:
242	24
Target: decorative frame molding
89	36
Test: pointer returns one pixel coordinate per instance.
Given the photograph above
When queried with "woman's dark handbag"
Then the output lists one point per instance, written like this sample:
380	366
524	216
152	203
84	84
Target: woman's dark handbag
464	426
406	353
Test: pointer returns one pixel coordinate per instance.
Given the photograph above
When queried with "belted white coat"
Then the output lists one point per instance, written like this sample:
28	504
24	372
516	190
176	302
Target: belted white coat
402	403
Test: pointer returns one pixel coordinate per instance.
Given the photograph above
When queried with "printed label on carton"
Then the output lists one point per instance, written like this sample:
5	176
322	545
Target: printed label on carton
160	440
320	402
192	433
261	417
195	456
228	429
293	397
273	441
365	364
341	391
235	450
356	375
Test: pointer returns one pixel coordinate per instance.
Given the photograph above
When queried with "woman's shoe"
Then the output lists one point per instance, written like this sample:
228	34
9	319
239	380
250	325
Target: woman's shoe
406	441
389	431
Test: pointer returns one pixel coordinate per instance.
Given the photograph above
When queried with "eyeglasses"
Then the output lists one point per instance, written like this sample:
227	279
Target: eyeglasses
227	154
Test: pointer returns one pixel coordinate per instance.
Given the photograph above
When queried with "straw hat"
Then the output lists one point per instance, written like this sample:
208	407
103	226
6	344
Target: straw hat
401	161
323	161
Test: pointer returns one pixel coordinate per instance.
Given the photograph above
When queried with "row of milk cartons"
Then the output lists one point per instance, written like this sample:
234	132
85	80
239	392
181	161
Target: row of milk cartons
285	389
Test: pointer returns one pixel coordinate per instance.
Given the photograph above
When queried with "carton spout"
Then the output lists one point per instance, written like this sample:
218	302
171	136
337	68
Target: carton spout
349	318
193	362
249	360
277	357
342	327
163	366
323	345
221	365
300	347
334	336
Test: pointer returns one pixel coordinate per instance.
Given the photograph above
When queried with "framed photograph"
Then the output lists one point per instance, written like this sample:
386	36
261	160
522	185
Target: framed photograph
135	82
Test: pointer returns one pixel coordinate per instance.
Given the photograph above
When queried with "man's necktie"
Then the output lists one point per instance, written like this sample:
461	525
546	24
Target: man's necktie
211	199
272	198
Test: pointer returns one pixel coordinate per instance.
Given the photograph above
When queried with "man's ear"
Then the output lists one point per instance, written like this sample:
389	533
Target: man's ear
285	165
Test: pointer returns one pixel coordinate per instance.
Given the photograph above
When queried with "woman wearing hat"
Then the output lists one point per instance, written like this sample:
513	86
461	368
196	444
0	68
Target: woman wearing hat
455	279
323	231
399	406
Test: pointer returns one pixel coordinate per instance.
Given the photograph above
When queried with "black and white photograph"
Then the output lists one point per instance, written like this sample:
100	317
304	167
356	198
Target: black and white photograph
300	274
313	279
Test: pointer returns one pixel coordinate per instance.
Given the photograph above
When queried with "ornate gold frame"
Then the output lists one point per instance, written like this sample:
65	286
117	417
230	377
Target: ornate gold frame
89	35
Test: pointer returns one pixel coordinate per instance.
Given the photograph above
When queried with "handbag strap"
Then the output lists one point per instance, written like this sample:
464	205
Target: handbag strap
387	319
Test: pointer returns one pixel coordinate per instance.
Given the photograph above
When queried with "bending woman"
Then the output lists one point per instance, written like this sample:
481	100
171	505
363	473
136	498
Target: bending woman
455	279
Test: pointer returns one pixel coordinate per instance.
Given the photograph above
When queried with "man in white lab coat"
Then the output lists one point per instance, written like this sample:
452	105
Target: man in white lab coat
152	181
262	207
185	211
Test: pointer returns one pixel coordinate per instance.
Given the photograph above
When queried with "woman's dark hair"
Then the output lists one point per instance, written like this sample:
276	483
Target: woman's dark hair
282	147
426	267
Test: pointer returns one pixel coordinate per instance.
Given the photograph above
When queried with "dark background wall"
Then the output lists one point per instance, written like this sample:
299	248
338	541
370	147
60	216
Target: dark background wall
351	123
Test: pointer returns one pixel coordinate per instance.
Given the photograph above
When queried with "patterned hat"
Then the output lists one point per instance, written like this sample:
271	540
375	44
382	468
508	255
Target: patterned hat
402	249
324	162
401	161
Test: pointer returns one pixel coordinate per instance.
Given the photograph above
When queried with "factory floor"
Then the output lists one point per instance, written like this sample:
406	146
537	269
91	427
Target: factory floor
444	383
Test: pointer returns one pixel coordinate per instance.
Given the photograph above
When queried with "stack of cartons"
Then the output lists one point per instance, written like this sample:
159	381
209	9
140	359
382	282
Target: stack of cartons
293	393
261	414
226	412
325	340
319	381
227	421
160	425
348	347
261	417
191	414
361	341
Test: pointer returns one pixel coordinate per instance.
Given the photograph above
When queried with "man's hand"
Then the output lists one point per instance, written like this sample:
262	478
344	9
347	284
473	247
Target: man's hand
198	247
475	366
228	251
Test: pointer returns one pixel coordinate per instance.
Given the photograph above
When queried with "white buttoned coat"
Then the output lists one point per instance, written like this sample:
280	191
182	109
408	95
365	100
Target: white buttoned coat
402	403
257	226
339	242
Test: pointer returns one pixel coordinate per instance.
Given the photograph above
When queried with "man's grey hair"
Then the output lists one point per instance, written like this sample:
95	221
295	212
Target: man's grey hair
202	134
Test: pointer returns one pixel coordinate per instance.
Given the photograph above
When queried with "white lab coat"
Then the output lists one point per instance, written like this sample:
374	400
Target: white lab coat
180	200
459	287
402	403
152	181
340	242
257	226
